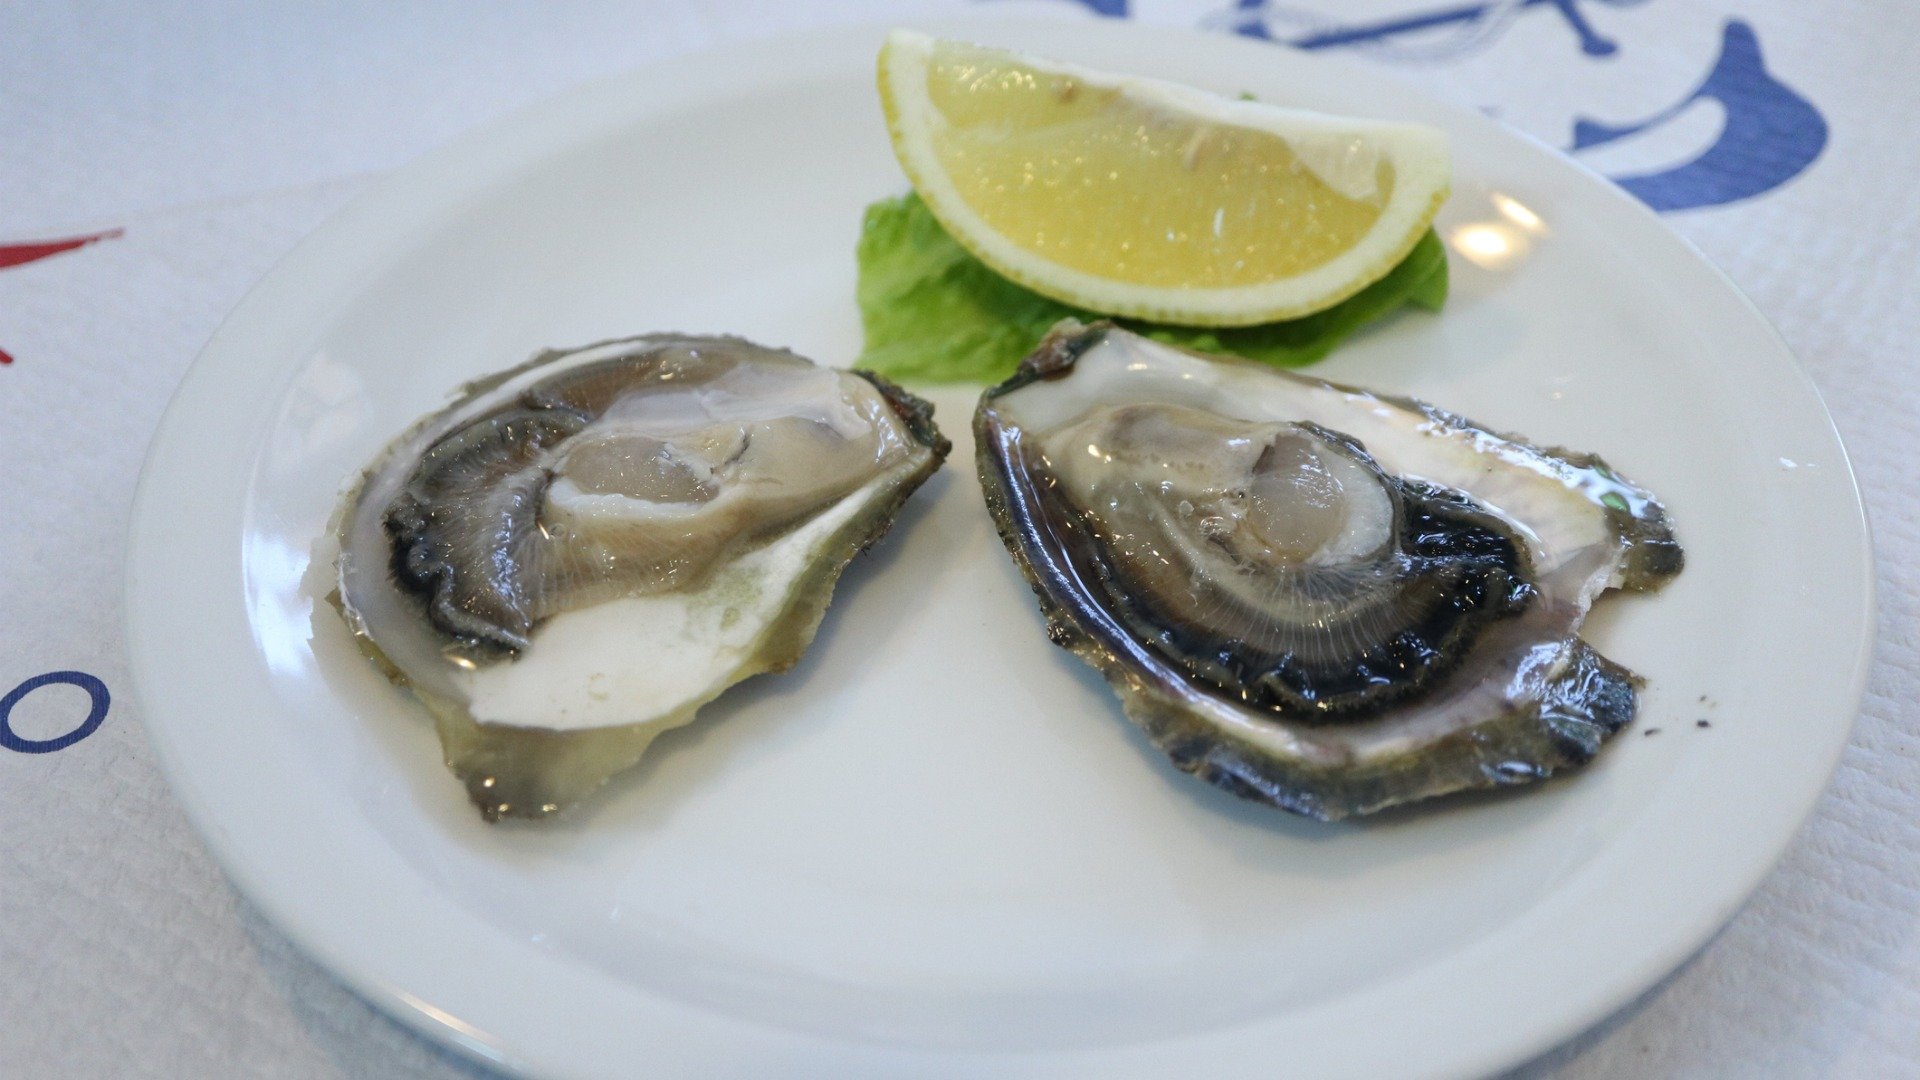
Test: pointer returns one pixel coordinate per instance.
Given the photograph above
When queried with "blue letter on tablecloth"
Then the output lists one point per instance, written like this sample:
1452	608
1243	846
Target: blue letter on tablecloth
96	713
1771	133
1112	9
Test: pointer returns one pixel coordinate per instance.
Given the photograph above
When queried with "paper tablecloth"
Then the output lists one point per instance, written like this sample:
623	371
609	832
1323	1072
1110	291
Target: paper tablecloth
156	160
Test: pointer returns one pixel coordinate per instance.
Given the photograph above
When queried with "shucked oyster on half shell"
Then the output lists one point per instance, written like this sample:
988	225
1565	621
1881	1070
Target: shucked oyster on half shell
1313	596
577	554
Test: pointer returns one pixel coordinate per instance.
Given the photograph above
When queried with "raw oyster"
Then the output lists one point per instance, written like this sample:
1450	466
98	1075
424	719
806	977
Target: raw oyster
576	555
1313	596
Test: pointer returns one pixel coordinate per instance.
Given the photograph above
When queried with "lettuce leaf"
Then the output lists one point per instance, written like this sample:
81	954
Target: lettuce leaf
934	313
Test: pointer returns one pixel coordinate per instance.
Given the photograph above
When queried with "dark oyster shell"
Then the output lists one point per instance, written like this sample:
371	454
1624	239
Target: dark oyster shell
1476	678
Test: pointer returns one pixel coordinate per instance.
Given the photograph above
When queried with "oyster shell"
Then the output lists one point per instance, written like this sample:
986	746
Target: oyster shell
1310	595
576	555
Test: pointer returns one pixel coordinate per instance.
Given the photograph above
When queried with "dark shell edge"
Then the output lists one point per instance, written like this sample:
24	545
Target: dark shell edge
1645	528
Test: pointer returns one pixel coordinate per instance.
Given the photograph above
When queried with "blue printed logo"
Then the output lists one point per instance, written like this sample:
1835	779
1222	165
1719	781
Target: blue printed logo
1428	35
1770	133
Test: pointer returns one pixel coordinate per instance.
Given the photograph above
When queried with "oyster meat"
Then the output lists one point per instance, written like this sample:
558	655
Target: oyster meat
577	554
1313	596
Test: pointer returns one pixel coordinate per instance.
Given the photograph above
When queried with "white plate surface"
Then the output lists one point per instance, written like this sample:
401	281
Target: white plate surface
935	848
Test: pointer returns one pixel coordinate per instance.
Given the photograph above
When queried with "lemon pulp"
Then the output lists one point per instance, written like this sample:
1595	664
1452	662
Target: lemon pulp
1095	181
1148	199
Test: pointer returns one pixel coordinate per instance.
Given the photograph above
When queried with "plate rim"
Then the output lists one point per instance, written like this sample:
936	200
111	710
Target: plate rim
407	183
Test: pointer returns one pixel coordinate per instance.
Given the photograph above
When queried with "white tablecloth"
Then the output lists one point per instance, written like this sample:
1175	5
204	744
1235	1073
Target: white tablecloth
205	139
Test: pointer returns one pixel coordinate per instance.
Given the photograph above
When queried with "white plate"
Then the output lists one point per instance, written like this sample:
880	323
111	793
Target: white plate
935	848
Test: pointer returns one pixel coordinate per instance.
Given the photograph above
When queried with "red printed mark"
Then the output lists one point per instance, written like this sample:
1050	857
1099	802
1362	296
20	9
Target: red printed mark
19	254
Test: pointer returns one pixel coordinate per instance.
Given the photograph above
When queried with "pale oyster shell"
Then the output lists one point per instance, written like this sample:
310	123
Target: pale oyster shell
576	555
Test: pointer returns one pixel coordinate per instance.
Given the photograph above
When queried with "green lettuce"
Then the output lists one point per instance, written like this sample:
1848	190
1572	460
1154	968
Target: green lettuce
934	313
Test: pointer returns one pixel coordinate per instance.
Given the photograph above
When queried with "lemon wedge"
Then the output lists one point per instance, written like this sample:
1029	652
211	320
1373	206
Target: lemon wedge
1149	199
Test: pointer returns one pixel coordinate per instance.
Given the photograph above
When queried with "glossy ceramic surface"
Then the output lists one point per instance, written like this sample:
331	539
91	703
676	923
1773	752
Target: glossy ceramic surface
935	848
